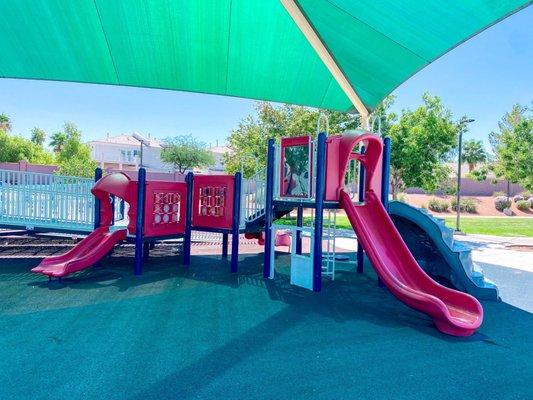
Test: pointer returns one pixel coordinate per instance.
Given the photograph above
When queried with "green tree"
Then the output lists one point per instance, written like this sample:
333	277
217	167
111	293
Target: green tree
5	123
57	141
38	136
248	142
185	153
513	146
16	148
75	156
473	153
422	140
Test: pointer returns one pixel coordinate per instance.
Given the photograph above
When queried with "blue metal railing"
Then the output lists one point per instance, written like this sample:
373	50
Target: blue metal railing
46	201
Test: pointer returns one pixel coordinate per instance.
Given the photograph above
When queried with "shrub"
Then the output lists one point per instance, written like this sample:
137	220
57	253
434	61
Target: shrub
508	212
517	198
454	205
526	194
523	205
467	205
501	203
498	194
437	205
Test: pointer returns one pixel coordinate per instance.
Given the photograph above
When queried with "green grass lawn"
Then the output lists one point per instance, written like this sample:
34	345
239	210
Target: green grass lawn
498	226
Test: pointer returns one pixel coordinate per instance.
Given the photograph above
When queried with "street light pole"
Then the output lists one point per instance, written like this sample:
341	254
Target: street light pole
462	126
141	160
143	141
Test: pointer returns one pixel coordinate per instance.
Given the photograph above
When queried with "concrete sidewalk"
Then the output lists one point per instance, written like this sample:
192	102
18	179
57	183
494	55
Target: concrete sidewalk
507	252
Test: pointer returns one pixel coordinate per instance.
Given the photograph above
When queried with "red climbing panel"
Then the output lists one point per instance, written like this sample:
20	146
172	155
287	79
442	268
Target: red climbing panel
164	211
213	201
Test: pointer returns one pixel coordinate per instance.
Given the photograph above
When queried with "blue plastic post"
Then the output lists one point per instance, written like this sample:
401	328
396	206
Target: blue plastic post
385	175
268	208
299	223
189	179
236	222
319	210
97	177
141	192
225	245
360	251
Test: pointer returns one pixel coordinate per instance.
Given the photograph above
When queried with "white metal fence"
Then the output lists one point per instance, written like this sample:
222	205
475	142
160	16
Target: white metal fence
33	200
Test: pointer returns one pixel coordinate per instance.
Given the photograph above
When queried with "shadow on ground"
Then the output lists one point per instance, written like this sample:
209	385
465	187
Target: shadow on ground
202	333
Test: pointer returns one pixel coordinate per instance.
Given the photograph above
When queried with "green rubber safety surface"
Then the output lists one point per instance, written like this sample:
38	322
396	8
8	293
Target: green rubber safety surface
204	333
244	48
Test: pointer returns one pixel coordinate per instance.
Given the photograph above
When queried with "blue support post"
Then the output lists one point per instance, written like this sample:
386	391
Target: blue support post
360	251
299	223
236	222
269	208
225	245
141	192
189	179
97	177
385	174
319	210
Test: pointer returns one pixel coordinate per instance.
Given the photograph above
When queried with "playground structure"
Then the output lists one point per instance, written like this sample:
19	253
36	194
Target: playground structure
319	174
326	161
157	210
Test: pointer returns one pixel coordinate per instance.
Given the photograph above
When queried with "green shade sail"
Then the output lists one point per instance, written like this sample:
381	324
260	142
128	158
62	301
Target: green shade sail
244	48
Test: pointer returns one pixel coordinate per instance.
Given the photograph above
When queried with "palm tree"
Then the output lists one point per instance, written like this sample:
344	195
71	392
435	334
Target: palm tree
5	123
58	141
474	153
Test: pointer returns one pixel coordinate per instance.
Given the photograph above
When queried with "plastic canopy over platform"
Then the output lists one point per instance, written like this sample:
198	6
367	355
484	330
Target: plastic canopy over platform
243	48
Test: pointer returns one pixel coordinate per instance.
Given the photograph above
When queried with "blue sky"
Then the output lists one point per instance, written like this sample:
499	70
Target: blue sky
481	78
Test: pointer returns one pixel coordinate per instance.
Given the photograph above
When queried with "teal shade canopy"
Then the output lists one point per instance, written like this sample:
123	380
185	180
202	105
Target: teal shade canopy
245	48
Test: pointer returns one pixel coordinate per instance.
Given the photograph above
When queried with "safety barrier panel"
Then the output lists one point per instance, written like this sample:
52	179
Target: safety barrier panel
46	201
164	211
213	201
252	199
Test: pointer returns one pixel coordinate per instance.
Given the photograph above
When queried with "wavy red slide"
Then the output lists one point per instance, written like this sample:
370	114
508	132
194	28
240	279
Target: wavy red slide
453	312
85	254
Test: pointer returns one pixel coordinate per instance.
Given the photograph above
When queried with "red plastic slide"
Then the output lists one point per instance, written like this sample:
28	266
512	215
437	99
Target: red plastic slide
85	254
453	312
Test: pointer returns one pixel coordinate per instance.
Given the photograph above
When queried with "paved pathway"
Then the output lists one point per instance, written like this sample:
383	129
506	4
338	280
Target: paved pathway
506	252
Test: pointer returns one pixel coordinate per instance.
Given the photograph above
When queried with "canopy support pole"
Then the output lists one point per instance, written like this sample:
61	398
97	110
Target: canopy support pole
312	37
